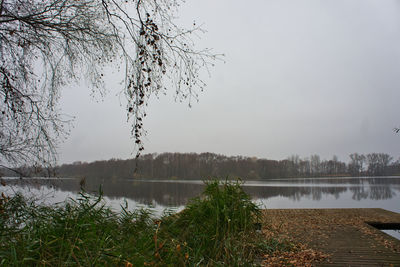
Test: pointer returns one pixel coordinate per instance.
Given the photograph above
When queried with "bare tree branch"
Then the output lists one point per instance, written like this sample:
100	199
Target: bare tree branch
46	44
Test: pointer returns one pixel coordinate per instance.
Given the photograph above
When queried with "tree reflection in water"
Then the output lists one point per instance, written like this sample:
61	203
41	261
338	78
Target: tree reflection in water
176	193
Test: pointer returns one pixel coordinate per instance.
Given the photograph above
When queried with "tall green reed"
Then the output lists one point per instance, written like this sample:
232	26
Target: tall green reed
214	229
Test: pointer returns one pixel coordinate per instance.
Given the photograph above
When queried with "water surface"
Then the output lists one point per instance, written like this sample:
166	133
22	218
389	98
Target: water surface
375	192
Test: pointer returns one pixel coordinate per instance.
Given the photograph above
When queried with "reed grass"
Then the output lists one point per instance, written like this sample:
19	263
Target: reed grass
214	229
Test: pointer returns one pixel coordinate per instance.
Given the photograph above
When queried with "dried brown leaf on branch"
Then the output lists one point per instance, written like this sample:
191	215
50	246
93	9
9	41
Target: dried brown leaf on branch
48	44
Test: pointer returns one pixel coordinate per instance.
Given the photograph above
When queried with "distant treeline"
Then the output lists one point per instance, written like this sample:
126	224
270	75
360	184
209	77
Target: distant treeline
205	165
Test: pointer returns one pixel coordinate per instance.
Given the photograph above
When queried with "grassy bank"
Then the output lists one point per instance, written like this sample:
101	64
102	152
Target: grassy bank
218	228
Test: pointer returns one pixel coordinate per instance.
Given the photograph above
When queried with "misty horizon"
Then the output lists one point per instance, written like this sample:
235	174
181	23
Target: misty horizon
303	78
133	156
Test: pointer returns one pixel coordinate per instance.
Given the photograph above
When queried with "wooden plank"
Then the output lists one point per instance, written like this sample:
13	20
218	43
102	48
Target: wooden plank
342	233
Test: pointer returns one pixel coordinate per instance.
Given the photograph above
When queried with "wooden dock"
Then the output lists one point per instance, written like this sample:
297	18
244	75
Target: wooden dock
343	235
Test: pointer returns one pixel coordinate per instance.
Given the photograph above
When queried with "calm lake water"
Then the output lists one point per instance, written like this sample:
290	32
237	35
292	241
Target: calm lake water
379	192
172	195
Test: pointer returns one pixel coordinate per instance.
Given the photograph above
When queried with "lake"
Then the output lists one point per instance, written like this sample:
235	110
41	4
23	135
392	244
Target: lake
364	192
173	195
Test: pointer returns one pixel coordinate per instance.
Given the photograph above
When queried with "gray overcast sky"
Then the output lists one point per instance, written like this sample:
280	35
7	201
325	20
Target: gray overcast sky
301	77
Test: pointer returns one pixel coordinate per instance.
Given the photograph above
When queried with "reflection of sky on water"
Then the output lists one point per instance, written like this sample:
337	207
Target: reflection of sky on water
51	196
329	201
394	233
294	193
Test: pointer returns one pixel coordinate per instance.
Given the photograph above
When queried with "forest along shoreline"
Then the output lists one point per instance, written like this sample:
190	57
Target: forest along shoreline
193	166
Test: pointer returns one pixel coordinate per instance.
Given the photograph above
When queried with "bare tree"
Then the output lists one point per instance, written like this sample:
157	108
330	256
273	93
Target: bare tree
356	164
378	163
46	44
